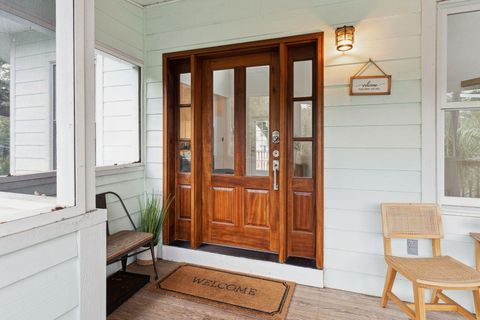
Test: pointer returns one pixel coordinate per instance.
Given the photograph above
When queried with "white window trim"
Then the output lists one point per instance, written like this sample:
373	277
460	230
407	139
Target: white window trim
443	10
118	54
75	33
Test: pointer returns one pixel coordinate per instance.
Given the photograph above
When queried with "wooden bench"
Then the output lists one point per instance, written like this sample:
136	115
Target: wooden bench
125	244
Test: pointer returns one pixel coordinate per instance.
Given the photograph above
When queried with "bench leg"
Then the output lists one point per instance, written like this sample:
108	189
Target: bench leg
124	263
152	250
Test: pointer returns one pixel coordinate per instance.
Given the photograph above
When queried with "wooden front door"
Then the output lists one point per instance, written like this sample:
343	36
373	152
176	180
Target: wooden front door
235	183
240	115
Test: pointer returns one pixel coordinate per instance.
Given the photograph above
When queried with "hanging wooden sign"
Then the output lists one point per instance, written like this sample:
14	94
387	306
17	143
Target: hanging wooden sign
370	85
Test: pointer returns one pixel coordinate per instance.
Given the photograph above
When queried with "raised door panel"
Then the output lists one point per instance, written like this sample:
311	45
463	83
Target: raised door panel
183	212
257	213
184	204
302	226
303	212
225	205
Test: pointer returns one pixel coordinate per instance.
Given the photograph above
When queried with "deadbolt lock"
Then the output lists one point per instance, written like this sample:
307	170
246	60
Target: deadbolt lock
276	137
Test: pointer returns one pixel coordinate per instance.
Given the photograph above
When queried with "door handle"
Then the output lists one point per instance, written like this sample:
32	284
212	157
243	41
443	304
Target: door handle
276	169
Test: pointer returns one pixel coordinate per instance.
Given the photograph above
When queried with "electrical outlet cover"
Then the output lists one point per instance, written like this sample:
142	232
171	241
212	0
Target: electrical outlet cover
412	247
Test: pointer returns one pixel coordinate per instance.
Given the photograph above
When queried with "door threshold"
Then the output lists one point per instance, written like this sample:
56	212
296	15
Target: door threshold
298	274
246	253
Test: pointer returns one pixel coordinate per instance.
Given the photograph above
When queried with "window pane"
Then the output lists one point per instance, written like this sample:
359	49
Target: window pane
185	123
462	153
185	88
257	120
302	119
223	121
27	98
185	156
4	117
302	78
117	111
303	159
462	57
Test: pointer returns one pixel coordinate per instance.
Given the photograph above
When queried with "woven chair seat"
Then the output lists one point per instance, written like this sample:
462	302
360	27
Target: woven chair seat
121	243
442	271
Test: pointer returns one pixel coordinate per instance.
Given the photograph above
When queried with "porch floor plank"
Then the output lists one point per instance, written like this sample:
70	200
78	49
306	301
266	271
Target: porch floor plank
308	304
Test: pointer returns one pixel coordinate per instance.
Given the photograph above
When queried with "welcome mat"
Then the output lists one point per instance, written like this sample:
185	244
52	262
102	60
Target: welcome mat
258	297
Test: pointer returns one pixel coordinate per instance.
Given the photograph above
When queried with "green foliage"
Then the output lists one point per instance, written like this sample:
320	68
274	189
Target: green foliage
468	135
4	85
152	215
462	151
4	118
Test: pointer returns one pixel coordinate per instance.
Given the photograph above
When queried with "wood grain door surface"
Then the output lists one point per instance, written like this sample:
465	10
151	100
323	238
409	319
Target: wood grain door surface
240	205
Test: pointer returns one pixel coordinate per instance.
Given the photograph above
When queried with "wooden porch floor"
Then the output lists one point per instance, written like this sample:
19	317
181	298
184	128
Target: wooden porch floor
308	304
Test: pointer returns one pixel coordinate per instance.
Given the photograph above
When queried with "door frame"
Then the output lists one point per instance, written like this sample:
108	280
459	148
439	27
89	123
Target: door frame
197	197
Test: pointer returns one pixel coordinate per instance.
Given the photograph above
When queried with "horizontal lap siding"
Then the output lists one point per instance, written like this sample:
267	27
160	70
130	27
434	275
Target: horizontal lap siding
119	25
46	276
32	56
130	186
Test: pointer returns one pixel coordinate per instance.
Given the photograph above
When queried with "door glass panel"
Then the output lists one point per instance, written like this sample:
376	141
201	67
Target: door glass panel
185	88
303	159
223	121
302	119
463	65
185	123
257	120
185	156
302	78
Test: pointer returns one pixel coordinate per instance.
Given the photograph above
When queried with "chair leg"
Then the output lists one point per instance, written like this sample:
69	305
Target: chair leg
152	250
419	296
435	297
476	302
124	263
389	279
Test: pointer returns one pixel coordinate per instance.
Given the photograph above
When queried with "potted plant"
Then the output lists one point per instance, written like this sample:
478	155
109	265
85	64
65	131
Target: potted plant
152	216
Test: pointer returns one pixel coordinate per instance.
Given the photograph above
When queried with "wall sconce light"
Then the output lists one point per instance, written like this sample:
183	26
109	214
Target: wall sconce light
344	37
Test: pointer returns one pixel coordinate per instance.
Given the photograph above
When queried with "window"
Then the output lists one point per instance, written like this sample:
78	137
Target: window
223	121
117	111
53	112
4	117
36	138
303	119
185	122
257	120
459	104
27	97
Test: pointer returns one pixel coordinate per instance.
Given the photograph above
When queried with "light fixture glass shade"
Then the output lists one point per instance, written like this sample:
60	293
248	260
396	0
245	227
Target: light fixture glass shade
344	37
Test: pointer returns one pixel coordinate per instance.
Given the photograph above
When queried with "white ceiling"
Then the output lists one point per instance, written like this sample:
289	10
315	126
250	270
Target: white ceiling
10	27
149	2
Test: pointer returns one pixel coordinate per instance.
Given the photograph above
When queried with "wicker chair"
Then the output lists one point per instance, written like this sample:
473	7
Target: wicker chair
423	221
